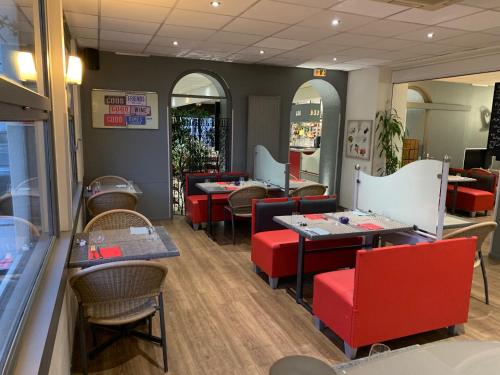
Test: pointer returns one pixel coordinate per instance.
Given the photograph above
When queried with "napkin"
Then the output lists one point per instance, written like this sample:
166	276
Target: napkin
370	226
139	230
106	252
315	216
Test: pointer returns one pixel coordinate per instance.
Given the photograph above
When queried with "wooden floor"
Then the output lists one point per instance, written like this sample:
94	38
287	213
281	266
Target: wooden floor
224	319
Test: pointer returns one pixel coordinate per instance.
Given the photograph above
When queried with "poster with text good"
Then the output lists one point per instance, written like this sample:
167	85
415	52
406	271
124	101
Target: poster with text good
358	139
124	109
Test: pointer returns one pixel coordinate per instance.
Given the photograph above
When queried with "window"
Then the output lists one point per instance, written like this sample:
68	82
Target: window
26	215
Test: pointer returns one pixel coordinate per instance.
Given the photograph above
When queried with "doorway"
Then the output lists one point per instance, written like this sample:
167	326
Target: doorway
314	133
200	119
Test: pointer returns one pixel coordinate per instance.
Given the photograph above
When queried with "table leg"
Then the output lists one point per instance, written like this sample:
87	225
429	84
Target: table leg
455	193
300	269
209	215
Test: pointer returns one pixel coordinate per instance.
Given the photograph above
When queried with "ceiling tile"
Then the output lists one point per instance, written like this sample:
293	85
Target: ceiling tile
82	6
486	4
242	58
83	32
117	24
367	62
197	19
124	37
402	54
440	33
315	49
185	32
309	34
473	40
87	43
279	43
220	47
28	12
279	61
369	8
234	38
493	31
386	28
428	17
347	21
354	40
268	52
115	46
274	11
169	42
228	7
475	22
248	26
81	20
206	55
432	49
133	11
160	3
362	52
394	44
166	51
322	4
348	67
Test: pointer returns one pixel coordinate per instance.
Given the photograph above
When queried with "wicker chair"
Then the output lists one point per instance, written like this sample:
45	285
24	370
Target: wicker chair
111	180
240	203
28	200
111	200
309	190
481	231
6	221
120	295
117	219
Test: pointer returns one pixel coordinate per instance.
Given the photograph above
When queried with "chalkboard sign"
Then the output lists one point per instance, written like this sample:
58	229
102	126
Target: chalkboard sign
494	133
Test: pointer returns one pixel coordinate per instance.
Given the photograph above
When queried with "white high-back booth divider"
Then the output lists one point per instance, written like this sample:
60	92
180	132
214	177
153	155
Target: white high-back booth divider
267	169
415	195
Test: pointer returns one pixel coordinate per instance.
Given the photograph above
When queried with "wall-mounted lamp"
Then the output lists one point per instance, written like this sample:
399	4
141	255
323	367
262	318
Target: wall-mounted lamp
26	70
74	71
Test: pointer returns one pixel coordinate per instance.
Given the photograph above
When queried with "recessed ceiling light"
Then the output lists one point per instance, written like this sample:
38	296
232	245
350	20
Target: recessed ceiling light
335	22
215	4
175	43
334	59
261	51
430	35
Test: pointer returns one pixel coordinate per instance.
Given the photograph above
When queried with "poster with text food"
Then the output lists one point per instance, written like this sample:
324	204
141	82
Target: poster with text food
124	109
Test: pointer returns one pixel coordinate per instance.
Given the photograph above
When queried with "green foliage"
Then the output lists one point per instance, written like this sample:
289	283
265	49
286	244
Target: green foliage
390	133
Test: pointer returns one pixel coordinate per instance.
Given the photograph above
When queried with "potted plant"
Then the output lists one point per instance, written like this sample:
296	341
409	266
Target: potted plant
390	134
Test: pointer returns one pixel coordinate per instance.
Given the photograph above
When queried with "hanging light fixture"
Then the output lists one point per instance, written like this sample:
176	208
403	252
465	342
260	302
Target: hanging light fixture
26	70
74	71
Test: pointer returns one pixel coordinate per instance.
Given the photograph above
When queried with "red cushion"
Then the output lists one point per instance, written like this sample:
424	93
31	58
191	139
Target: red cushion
275	252
197	208
469	199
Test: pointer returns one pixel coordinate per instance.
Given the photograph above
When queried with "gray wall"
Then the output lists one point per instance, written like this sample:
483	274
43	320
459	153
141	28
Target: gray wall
142	155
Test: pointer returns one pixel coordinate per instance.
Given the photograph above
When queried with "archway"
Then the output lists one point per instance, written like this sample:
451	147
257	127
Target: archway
416	132
314	133
200	129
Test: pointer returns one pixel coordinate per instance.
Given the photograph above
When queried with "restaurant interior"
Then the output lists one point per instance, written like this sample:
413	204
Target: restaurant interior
261	187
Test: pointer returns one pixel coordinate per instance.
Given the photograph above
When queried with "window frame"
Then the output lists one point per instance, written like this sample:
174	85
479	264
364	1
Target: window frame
18	103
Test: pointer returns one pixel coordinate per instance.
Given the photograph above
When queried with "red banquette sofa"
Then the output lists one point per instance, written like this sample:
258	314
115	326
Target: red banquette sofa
476	196
274	248
396	291
196	201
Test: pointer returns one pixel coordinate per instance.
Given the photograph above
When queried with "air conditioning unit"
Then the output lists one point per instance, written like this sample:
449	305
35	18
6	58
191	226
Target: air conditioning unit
422	4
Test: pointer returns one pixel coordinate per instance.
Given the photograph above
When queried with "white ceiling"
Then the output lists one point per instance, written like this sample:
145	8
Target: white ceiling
482	79
290	32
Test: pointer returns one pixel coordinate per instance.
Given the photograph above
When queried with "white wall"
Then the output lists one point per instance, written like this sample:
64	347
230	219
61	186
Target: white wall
368	91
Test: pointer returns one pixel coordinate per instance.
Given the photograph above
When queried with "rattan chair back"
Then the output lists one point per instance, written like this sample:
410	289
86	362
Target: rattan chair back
111	200
117	219
309	190
481	231
240	200
118	282
109	180
30	201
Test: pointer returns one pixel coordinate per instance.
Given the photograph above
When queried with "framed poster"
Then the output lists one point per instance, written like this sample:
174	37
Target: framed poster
124	109
359	139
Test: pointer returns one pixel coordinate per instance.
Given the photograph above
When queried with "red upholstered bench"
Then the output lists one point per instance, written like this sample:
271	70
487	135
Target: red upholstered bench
470	199
396	291
274	249
196	201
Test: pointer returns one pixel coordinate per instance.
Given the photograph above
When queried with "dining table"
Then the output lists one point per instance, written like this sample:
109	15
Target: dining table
222	187
130	187
134	243
330	226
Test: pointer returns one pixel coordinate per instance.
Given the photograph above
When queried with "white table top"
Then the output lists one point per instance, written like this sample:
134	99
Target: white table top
442	358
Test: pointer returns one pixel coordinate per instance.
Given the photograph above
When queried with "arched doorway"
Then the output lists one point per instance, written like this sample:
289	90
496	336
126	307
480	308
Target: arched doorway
200	129
416	132
314	133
